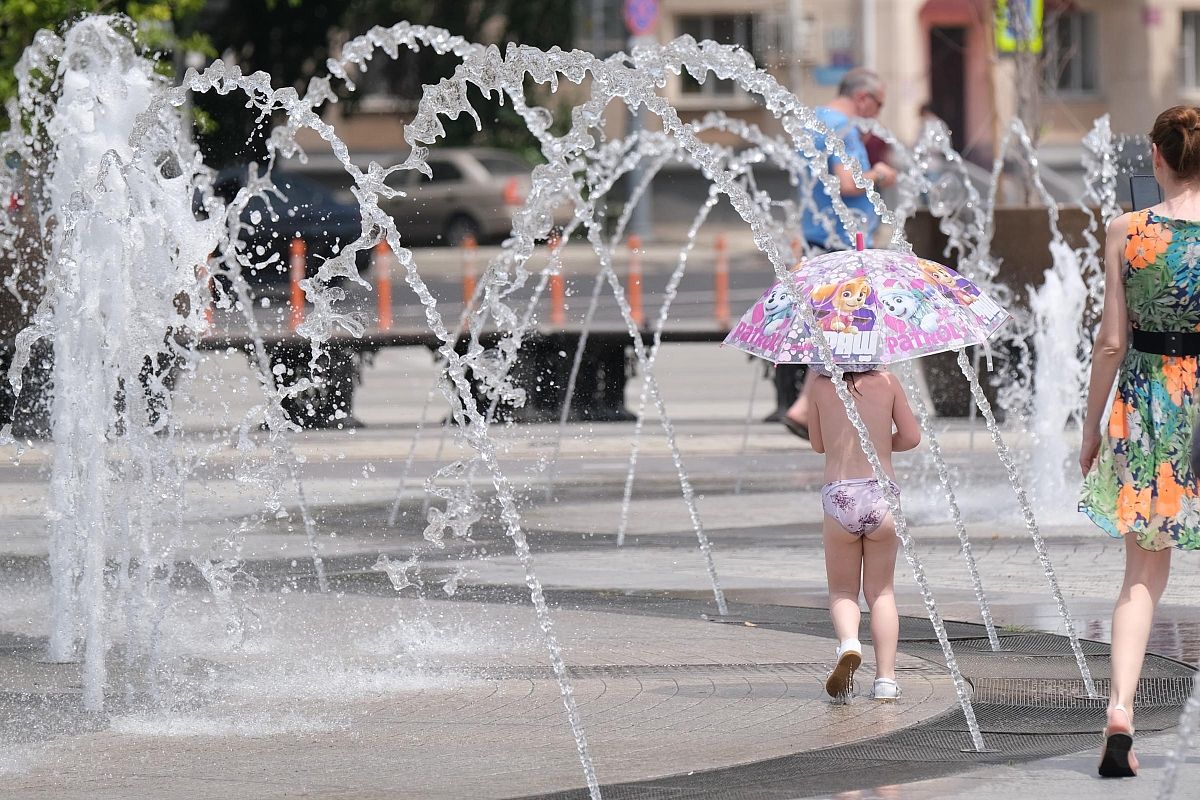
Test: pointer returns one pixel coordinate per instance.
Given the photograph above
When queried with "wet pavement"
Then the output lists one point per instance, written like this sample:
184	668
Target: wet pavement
364	692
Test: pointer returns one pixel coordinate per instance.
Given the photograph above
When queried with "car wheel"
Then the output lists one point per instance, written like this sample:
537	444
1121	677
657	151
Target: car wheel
460	227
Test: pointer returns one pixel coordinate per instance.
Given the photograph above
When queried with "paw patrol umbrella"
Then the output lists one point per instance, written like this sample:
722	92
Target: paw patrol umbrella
874	307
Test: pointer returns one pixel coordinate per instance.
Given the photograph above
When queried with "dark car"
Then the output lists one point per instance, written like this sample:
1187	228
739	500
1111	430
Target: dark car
300	207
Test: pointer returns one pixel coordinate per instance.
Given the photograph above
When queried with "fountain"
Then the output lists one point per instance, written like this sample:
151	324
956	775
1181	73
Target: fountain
120	466
123	297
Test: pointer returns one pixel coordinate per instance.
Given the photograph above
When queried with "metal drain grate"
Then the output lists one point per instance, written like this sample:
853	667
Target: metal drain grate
893	760
996	718
1068	693
801	620
1028	703
1010	665
915	629
986	664
1031	645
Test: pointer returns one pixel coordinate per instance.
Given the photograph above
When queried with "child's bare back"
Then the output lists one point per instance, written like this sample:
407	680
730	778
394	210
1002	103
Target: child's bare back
884	409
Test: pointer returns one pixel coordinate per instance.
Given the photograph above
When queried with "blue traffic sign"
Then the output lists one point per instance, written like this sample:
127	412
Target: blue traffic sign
641	16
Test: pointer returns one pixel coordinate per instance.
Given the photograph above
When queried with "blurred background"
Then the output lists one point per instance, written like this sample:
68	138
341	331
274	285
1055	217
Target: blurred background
1081	58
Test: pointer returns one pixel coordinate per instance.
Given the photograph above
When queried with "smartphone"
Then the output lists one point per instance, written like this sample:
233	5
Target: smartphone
1144	191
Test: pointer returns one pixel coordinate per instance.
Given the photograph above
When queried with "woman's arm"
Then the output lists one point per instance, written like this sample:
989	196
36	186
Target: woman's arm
908	432
1111	343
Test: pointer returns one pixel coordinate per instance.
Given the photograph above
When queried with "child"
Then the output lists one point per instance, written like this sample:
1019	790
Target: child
859	533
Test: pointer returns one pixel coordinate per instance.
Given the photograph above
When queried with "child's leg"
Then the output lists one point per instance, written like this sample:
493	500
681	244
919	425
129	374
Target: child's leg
843	570
879	569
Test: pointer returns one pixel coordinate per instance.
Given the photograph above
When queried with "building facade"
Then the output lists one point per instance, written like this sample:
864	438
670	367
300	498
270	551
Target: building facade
1127	58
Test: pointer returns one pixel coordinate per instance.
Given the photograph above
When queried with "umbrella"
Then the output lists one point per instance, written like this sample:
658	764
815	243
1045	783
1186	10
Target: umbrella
874	307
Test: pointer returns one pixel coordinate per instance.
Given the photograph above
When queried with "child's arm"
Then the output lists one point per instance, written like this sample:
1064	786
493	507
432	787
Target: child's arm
908	432
814	423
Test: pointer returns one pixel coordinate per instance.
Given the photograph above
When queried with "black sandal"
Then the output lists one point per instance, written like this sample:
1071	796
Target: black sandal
797	428
1117	751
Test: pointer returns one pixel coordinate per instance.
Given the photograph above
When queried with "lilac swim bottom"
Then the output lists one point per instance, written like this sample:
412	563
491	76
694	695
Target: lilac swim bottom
857	504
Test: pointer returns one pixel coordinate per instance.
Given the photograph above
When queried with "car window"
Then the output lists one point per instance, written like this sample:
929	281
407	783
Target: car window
300	191
290	189
498	164
334	182
443	172
227	188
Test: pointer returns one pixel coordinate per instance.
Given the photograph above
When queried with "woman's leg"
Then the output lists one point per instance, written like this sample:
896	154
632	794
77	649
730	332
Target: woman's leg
1146	573
879	571
787	388
843	569
798	410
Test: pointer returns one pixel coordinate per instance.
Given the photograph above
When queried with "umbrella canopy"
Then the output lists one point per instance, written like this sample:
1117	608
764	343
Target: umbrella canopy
874	307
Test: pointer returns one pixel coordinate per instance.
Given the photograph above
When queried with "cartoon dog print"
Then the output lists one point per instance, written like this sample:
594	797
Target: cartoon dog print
846	298
909	305
777	306
946	283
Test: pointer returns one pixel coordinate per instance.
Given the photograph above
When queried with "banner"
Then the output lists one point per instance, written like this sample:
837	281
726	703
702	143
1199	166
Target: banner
1019	26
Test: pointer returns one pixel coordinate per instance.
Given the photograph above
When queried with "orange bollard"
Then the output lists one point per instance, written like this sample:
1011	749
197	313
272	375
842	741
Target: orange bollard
797	250
721	282
558	287
381	267
297	258
469	270
635	279
558	294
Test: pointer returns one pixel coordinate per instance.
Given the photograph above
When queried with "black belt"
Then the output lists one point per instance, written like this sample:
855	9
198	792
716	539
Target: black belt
1166	343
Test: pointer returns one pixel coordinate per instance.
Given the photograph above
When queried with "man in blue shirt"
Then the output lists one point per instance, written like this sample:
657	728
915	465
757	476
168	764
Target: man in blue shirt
861	93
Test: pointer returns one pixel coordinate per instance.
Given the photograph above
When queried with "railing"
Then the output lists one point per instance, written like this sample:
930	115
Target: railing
384	263
605	350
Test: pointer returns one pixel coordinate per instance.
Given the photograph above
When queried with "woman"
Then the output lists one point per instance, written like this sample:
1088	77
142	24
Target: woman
1139	482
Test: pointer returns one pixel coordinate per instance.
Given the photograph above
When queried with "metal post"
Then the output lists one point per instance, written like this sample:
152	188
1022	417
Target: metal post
869	40
641	222
598	28
796	36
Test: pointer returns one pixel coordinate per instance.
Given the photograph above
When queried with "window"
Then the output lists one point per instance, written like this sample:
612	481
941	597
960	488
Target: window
1189	50
601	27
723	29
443	172
1071	53
500	164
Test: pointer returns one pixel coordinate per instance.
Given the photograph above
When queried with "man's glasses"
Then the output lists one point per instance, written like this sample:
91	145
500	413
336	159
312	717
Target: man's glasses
876	98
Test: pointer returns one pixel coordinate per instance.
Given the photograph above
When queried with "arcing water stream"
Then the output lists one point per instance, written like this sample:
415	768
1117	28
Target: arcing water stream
124	295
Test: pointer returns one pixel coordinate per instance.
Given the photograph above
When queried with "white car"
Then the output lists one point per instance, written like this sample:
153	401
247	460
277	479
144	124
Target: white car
474	191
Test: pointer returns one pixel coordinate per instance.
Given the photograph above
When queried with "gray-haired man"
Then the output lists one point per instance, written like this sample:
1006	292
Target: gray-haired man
861	94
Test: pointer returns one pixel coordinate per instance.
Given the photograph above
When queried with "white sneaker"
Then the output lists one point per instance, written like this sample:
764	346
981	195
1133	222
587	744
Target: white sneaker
840	683
886	689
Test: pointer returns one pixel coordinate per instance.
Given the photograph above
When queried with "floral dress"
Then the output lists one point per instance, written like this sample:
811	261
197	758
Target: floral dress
1142	483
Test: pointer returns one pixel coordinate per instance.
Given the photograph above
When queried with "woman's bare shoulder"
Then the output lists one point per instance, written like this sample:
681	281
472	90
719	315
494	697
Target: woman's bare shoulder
1120	225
